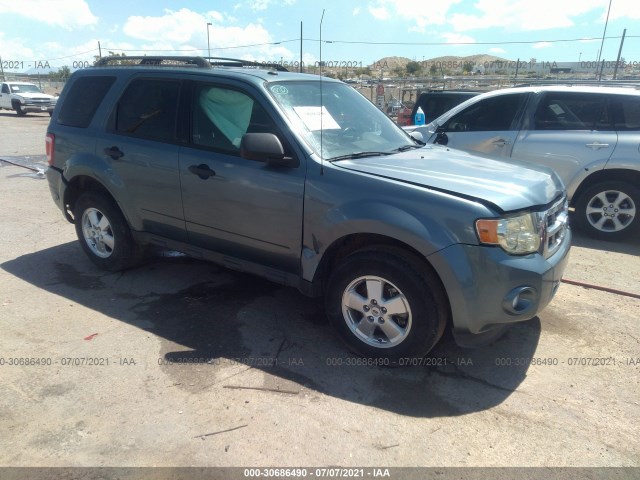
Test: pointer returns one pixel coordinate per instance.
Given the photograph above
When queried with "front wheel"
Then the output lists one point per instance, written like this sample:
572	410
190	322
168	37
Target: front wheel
384	306
104	233
21	112
609	210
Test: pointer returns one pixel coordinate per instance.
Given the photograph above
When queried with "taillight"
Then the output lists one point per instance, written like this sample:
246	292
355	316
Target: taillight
50	143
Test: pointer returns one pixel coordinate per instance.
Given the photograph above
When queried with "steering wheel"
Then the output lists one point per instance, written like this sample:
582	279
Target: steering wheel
350	132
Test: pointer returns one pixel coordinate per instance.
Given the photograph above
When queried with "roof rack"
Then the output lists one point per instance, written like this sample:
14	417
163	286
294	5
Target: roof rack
153	61
235	62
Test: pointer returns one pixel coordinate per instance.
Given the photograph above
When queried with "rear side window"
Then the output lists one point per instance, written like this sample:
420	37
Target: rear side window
628	113
83	100
148	109
573	111
493	114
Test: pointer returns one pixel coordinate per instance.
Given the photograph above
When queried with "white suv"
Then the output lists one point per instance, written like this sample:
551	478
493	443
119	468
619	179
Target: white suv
589	135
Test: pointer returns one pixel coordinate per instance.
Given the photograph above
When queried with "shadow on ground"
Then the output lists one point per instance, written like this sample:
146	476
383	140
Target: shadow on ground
629	246
202	312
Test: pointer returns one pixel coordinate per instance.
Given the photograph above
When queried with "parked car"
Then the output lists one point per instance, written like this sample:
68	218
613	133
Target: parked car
588	135
24	97
303	181
435	103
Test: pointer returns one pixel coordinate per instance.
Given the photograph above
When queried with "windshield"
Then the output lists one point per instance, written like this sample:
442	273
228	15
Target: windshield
351	125
24	88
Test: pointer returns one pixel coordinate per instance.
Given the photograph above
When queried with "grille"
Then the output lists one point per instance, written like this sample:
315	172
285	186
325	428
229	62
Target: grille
39	101
555	226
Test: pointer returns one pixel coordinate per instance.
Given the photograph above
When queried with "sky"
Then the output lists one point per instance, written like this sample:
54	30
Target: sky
35	33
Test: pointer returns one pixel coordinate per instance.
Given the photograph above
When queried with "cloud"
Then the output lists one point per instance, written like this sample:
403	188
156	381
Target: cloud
381	13
421	13
521	15
497	50
356	11
172	26
185	32
627	9
259	5
542	45
458	38
17	48
68	14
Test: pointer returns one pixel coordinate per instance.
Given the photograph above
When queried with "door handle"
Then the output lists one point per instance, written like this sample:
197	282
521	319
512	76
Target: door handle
202	171
114	152
597	146
501	142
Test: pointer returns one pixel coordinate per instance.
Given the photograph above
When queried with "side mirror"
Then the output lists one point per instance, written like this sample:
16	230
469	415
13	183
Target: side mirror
417	136
441	139
267	148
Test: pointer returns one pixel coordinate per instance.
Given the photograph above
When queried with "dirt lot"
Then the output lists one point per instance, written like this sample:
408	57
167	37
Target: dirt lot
277	387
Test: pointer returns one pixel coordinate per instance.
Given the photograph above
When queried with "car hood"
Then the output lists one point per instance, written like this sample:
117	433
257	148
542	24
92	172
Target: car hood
34	95
509	186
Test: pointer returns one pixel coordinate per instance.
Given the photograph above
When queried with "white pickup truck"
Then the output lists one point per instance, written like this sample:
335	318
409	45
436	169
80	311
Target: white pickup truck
25	97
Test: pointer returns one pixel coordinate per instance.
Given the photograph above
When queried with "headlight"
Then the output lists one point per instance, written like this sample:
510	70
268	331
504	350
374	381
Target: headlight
516	235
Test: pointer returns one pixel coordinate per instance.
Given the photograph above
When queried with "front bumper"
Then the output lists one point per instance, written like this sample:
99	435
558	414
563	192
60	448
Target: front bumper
38	107
489	289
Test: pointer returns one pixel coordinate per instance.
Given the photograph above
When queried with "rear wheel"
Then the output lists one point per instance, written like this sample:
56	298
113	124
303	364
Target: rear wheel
384	306
104	233
609	210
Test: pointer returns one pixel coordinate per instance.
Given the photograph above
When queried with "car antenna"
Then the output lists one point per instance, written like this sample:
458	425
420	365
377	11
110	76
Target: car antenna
321	99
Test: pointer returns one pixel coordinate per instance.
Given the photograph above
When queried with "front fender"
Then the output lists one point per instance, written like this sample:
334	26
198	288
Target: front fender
424	232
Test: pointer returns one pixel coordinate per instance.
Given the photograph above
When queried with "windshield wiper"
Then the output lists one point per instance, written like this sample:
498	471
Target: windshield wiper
352	156
404	148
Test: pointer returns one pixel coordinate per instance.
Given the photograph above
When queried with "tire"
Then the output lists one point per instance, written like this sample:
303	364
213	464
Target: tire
21	112
366	285
104	233
609	210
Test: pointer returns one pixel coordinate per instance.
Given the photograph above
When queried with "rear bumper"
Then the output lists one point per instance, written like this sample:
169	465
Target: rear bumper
489	289
57	187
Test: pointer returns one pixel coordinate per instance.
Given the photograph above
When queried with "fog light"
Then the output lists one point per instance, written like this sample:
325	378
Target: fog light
520	301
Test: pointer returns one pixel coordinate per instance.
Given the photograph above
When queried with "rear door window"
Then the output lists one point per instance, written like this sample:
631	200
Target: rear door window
148	109
83	99
627	116
573	111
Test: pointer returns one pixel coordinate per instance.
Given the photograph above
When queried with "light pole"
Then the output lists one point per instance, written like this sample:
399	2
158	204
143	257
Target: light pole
208	46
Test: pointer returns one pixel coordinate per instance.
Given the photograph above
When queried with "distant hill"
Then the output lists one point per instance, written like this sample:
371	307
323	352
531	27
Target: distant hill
401	62
41	71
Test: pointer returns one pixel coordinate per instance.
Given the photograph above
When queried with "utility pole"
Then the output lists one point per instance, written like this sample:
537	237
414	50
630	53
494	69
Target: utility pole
99	49
615	71
603	35
300	47
208	46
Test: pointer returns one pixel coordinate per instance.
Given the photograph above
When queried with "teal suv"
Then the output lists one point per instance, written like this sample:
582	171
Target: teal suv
300	179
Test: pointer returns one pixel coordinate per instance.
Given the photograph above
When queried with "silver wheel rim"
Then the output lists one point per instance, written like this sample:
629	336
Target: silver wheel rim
610	211
376	312
97	232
